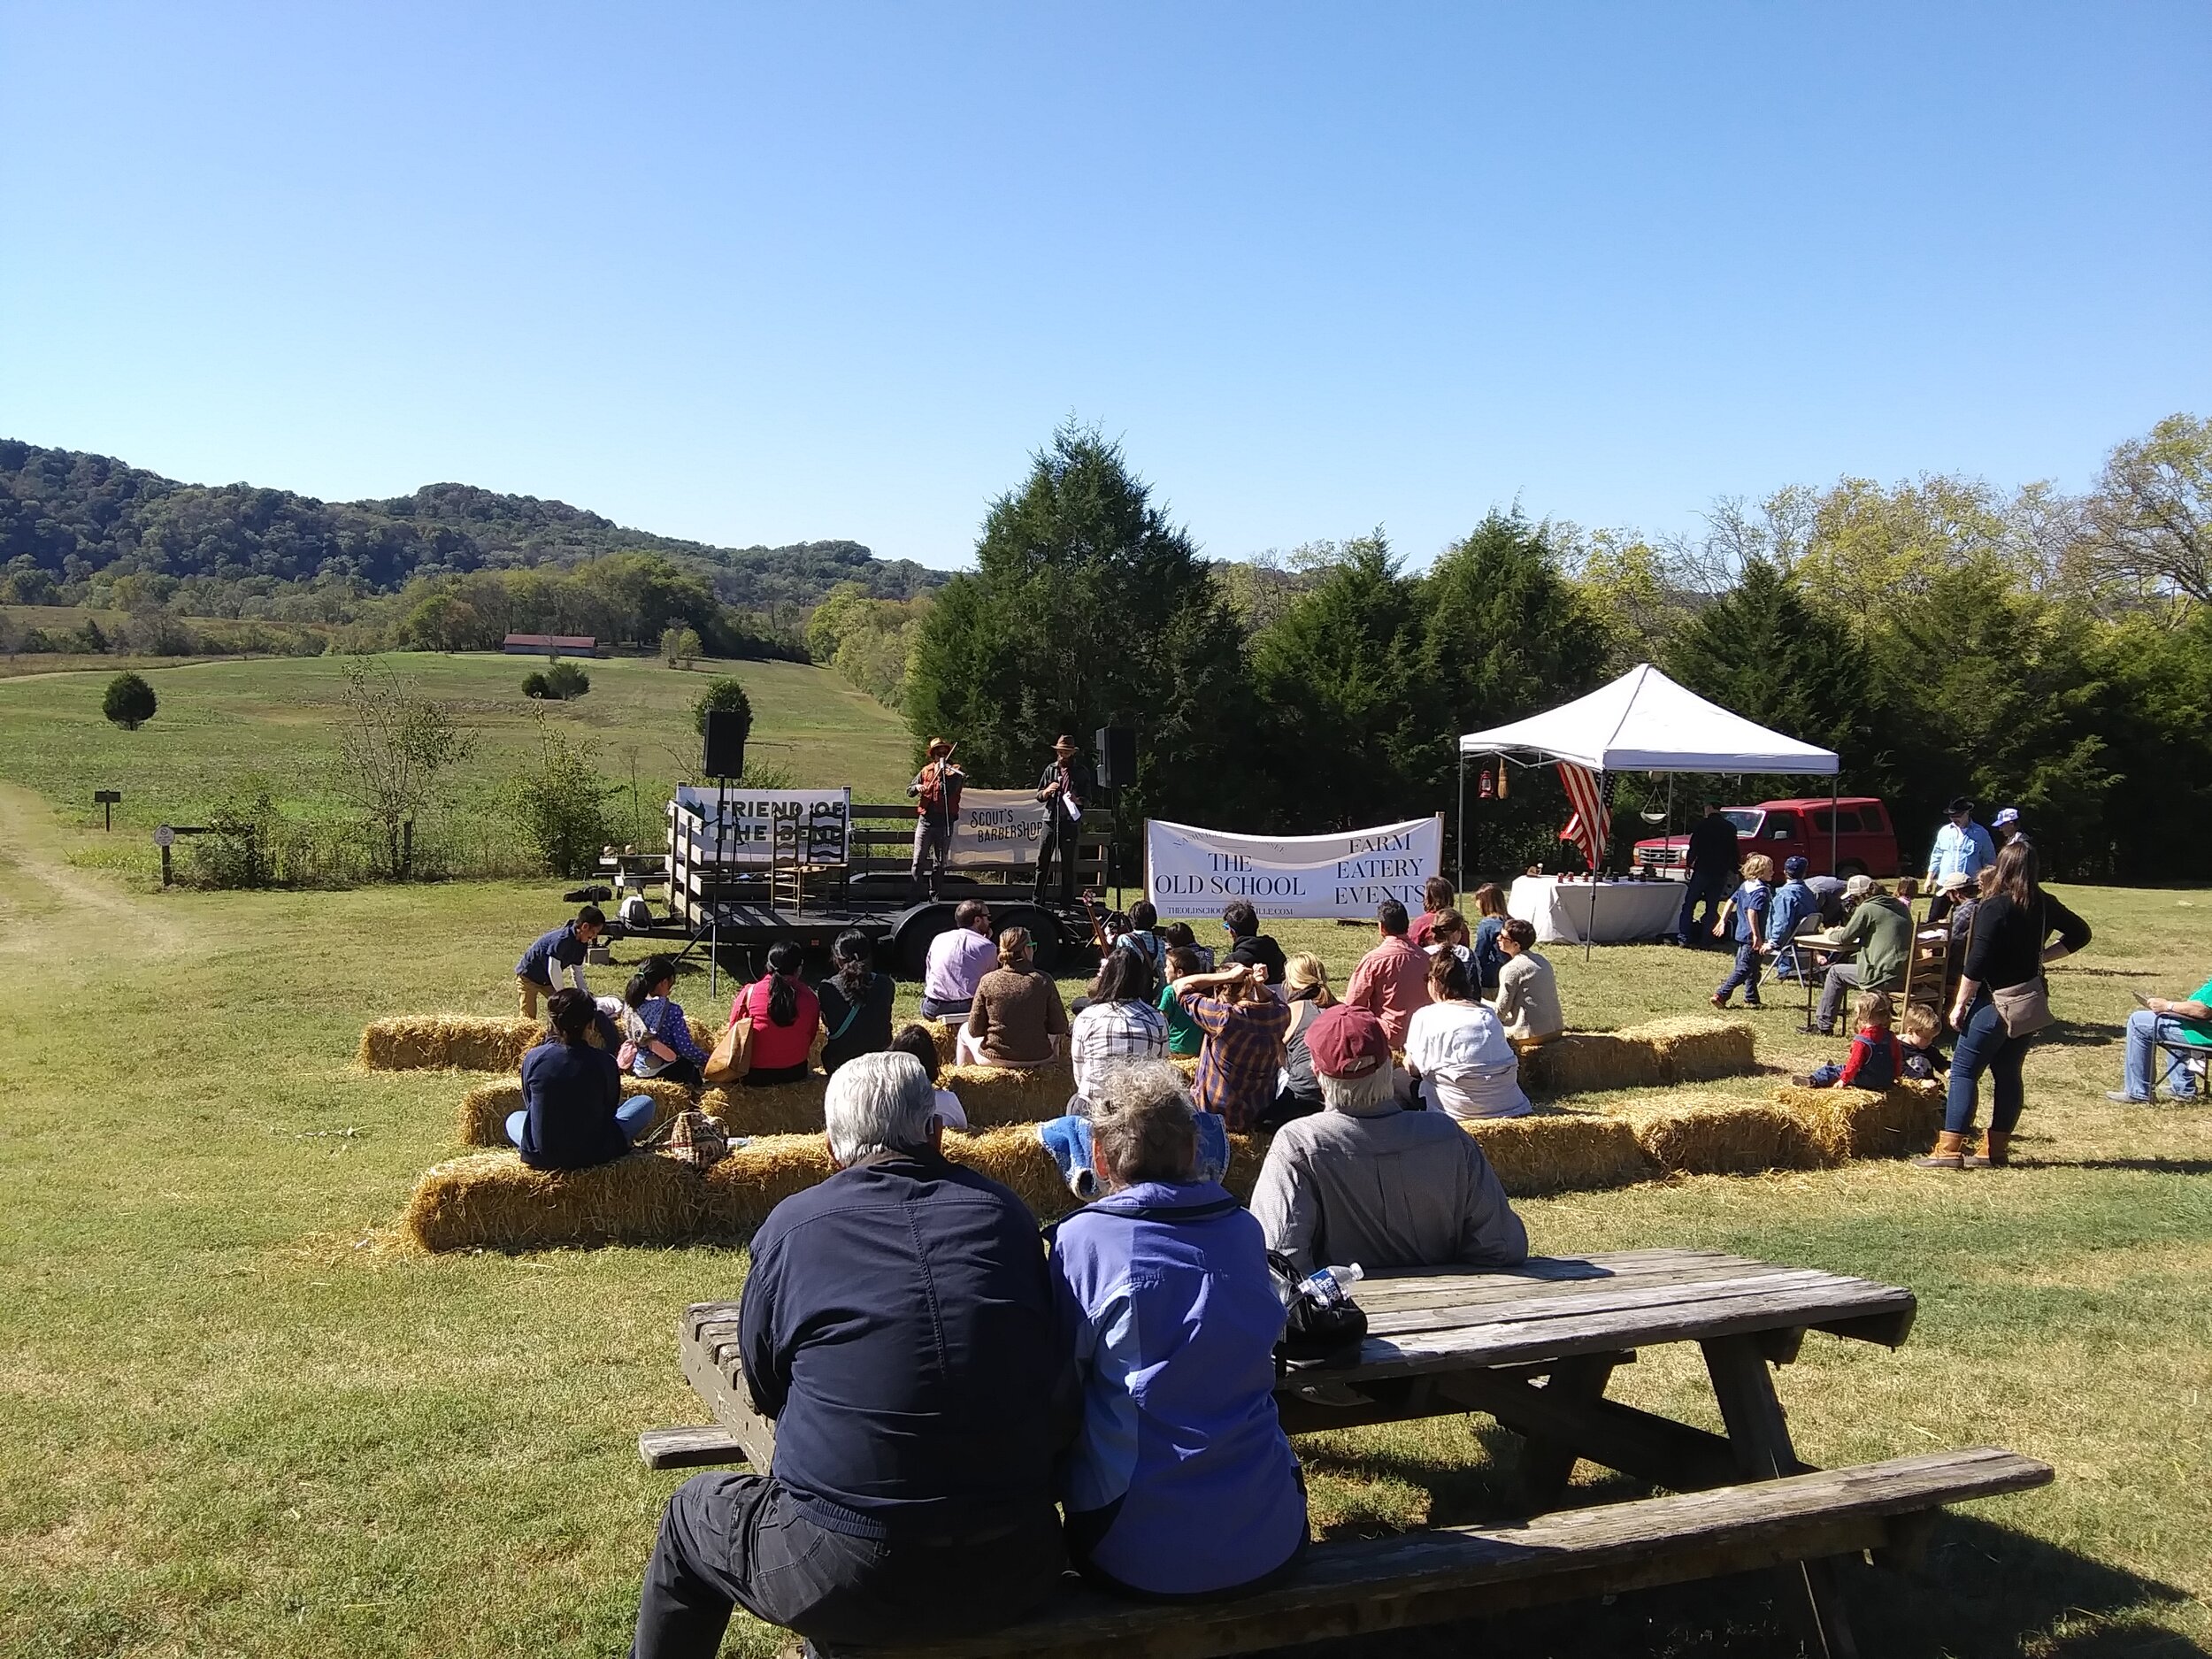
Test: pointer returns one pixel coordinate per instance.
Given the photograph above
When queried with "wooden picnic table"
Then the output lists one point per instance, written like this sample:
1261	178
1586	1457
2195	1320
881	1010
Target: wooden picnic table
1535	1348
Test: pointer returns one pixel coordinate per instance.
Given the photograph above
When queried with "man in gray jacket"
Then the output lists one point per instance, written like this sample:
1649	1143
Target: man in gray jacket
1366	1180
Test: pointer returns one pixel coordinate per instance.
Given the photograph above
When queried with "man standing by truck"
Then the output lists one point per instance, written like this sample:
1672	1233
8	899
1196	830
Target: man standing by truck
1711	859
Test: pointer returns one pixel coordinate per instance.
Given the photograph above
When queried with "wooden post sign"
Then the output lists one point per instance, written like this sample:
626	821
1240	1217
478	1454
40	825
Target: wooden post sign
106	800
165	838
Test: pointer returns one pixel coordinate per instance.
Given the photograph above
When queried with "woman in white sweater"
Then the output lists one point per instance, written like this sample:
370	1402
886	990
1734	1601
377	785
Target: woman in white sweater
1457	1052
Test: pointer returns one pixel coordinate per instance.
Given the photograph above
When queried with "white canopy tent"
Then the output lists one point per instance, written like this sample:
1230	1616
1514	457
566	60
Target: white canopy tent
1645	722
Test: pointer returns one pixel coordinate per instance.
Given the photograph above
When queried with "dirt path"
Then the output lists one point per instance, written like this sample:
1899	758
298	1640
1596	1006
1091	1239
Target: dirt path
69	904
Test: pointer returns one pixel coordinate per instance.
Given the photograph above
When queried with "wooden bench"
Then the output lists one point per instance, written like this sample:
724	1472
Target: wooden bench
1534	1348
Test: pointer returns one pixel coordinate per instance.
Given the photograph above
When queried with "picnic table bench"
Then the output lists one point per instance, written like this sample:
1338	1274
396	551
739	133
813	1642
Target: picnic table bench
1535	1348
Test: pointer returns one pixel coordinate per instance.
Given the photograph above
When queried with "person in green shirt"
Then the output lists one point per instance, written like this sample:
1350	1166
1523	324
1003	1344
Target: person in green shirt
1184	1035
2163	1021
1881	928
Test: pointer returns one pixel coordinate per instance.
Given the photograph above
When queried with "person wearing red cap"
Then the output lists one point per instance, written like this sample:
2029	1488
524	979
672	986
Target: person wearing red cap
1366	1180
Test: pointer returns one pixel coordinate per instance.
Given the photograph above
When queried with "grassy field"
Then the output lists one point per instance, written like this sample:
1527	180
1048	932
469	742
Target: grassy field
243	1420
221	723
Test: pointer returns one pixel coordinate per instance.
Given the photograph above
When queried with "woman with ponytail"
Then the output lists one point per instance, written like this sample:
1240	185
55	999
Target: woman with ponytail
785	1014
856	1002
656	1035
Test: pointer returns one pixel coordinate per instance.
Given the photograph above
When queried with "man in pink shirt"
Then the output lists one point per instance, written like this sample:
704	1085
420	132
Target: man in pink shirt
1392	979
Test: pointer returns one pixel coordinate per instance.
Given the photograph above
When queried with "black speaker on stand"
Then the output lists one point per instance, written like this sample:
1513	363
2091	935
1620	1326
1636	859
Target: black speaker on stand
725	744
1116	771
725	759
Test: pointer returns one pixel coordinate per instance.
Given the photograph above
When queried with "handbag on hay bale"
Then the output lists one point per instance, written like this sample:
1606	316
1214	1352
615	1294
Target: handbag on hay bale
694	1139
732	1056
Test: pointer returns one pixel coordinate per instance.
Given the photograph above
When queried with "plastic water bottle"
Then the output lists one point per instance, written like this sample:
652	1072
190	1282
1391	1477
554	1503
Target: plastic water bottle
1329	1286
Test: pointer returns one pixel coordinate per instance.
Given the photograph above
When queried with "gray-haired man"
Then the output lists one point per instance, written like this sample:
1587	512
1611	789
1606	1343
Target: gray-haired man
897	1327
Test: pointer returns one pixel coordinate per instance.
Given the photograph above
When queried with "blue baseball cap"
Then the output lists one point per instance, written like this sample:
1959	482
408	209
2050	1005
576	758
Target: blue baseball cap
1794	866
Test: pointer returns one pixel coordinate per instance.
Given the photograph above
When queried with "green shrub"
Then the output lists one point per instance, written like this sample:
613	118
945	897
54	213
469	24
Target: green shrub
130	702
565	681
534	685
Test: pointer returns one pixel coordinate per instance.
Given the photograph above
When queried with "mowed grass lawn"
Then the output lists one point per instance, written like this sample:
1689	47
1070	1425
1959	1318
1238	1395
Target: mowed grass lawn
222	723
243	1419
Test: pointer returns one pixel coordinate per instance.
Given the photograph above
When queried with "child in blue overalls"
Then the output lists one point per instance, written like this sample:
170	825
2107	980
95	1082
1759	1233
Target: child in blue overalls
1749	904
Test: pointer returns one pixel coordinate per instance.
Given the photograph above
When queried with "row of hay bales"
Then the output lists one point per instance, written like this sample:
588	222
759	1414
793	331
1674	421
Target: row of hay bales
991	1095
492	1201
465	1042
489	1200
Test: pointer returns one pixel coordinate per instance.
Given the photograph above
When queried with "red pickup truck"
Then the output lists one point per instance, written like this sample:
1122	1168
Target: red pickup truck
1865	844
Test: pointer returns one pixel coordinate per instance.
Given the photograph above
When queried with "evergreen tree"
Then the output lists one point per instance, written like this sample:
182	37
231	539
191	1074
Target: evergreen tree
1766	651
1336	675
1086	608
129	702
1504	633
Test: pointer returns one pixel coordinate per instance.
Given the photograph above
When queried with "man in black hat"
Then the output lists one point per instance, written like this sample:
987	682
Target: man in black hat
1066	788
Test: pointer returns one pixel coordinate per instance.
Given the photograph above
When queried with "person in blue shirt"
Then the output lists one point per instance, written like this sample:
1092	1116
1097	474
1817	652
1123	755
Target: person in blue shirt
551	955
573	1115
1794	904
1750	904
1182	1485
1962	845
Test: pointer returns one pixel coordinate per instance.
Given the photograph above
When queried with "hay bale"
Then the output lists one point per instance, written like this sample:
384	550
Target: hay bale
1732	1139
1690	1048
1857	1122
484	1109
1560	1152
1696	1048
946	1036
493	1200
744	1187
786	1109
1585	1062
993	1094
435	1042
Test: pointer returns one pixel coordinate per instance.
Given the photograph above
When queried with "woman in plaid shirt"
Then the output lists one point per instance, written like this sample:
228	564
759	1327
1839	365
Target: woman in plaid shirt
1119	1024
1244	1026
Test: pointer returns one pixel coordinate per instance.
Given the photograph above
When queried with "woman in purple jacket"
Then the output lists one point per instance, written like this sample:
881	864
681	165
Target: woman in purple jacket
1180	1484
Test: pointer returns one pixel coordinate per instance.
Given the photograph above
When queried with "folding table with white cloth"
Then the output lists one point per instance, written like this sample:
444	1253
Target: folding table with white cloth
1564	912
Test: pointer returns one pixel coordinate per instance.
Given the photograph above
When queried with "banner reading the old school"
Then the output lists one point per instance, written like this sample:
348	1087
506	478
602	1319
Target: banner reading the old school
1193	872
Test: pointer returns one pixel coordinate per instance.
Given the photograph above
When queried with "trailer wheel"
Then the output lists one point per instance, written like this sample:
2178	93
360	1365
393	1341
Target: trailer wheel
911	935
1047	944
1850	867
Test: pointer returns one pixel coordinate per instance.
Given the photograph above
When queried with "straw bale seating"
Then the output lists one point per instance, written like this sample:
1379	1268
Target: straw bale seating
1560	1152
1690	1048
484	1109
493	1200
465	1042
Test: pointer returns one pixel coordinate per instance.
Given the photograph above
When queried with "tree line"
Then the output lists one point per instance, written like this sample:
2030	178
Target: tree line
2047	652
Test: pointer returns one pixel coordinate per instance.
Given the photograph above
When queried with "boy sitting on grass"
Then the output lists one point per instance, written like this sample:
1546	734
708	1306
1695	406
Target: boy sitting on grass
1877	1059
1920	1031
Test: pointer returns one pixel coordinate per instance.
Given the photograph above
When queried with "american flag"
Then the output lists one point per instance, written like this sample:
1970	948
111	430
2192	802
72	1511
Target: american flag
1587	827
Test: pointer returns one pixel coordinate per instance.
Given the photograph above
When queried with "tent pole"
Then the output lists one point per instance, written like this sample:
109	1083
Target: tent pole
1462	820
1590	933
1835	786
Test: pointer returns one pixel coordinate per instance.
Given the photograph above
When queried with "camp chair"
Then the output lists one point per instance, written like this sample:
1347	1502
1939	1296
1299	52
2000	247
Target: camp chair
2193	1058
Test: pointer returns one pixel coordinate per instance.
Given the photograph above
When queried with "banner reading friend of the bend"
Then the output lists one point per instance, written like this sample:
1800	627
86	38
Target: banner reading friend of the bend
1192	872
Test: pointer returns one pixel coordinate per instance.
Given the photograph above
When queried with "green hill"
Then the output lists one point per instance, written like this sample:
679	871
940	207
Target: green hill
67	517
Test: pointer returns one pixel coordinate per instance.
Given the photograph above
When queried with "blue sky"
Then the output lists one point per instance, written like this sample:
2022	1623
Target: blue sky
764	273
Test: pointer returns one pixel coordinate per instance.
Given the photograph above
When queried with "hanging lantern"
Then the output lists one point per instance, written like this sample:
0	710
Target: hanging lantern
1486	786
1502	789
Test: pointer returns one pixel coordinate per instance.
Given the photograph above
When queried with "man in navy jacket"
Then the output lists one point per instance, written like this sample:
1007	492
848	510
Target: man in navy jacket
898	1328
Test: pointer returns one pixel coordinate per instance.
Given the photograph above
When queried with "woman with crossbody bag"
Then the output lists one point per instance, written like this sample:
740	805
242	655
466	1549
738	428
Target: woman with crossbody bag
2002	1002
856	1002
